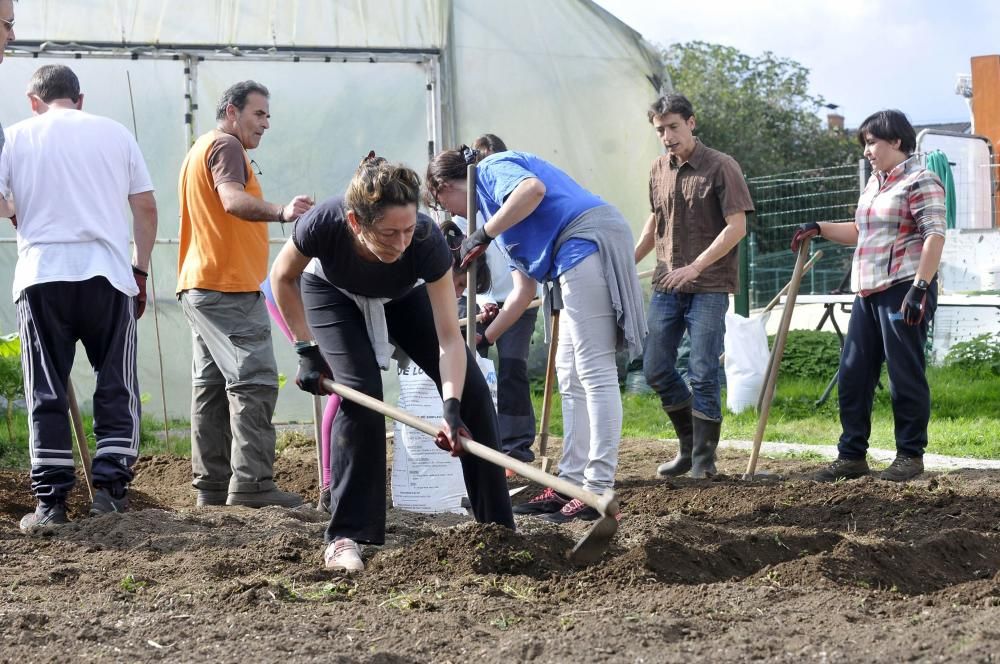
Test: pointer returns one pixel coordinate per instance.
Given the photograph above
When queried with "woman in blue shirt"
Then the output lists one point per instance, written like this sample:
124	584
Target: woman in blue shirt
552	229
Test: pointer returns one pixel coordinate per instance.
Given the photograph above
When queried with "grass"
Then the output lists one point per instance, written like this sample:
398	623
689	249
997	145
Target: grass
965	420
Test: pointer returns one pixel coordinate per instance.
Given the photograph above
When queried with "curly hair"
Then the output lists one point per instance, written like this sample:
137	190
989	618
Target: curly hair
377	185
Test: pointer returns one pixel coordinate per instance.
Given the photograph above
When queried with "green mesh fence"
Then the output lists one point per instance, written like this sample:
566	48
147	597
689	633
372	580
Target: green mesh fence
784	201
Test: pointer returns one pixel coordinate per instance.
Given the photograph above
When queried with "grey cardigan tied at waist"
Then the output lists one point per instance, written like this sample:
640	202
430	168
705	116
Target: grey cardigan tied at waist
606	227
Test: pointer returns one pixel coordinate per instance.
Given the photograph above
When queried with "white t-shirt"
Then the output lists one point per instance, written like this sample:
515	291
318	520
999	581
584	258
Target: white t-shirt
71	174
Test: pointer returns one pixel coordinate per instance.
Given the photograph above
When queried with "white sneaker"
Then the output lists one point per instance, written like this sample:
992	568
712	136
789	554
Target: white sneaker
343	554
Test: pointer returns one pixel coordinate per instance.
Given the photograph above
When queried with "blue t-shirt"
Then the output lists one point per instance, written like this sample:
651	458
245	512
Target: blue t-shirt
530	243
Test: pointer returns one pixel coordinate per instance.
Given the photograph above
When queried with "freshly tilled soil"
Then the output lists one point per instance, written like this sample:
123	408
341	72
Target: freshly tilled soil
780	569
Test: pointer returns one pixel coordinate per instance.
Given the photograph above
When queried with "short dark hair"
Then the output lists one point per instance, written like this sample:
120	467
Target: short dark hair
51	82
237	95
672	103
488	144
889	125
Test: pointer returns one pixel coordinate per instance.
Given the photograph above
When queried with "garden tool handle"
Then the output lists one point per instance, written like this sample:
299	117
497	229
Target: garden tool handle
606	504
537	302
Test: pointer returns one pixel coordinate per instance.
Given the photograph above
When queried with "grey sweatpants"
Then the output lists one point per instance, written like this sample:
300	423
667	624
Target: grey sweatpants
234	381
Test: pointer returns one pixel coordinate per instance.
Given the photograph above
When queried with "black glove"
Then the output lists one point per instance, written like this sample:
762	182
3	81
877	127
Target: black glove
483	344
914	304
473	247
140	299
313	369
807	230
448	440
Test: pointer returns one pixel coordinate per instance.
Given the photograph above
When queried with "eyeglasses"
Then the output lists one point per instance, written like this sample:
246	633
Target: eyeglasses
9	23
256	168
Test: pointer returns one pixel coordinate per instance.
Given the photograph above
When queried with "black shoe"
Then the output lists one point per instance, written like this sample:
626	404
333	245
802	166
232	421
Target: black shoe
903	468
43	518
574	509
843	469
546	502
106	503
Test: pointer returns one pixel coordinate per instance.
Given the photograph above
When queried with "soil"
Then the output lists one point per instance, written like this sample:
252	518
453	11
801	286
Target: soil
779	569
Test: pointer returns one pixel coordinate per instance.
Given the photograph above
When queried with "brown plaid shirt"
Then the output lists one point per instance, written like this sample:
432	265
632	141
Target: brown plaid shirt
690	202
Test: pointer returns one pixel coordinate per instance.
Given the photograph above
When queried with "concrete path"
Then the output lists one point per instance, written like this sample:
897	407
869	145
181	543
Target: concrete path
931	461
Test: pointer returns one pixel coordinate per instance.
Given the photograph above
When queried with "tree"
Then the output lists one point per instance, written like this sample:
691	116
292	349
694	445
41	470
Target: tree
757	109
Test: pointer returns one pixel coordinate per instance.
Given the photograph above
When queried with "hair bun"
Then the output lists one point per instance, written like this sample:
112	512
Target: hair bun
470	155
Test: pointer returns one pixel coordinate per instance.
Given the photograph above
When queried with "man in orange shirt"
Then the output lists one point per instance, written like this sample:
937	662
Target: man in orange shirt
221	264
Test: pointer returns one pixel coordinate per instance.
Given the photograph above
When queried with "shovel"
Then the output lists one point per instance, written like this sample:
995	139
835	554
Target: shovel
595	541
779	349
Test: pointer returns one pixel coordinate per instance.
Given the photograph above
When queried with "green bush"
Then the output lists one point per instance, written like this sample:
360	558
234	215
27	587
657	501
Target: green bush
980	355
11	378
809	354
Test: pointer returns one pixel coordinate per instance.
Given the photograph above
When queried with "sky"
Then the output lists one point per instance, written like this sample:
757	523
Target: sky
863	55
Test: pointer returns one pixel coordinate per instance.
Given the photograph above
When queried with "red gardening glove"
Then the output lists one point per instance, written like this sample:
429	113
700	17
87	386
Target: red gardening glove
488	314
140	299
473	247
448	440
809	229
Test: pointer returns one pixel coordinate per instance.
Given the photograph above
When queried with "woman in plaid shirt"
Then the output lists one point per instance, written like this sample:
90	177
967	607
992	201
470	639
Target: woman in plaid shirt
899	232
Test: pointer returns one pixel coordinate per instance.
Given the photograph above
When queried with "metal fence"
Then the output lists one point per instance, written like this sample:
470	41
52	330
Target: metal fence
785	200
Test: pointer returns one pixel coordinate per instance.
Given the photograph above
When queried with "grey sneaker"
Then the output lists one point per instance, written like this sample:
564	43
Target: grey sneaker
324	501
43	518
264	498
105	503
903	468
843	469
208	498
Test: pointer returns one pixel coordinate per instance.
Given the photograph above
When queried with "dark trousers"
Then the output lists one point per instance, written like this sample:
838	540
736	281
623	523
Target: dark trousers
514	409
52	317
357	457
876	334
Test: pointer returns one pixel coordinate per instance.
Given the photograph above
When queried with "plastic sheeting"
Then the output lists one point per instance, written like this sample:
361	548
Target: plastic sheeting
560	78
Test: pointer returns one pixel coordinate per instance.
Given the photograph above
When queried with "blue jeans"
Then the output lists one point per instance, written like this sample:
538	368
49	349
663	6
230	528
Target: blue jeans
703	315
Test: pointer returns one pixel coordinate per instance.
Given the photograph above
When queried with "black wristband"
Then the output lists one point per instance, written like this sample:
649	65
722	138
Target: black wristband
140	272
921	284
451	408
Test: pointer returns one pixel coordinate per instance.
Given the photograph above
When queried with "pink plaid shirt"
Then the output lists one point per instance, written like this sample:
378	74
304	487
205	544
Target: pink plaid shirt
897	211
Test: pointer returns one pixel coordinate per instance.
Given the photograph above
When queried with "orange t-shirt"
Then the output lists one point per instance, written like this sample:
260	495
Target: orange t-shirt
218	251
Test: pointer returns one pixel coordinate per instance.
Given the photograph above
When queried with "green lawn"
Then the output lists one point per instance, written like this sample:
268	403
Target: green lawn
965	416
965	420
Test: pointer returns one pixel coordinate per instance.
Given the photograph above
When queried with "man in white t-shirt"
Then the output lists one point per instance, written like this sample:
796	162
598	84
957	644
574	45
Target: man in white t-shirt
71	176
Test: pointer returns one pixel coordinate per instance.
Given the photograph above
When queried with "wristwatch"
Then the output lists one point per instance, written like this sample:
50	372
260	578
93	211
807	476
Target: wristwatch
921	284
